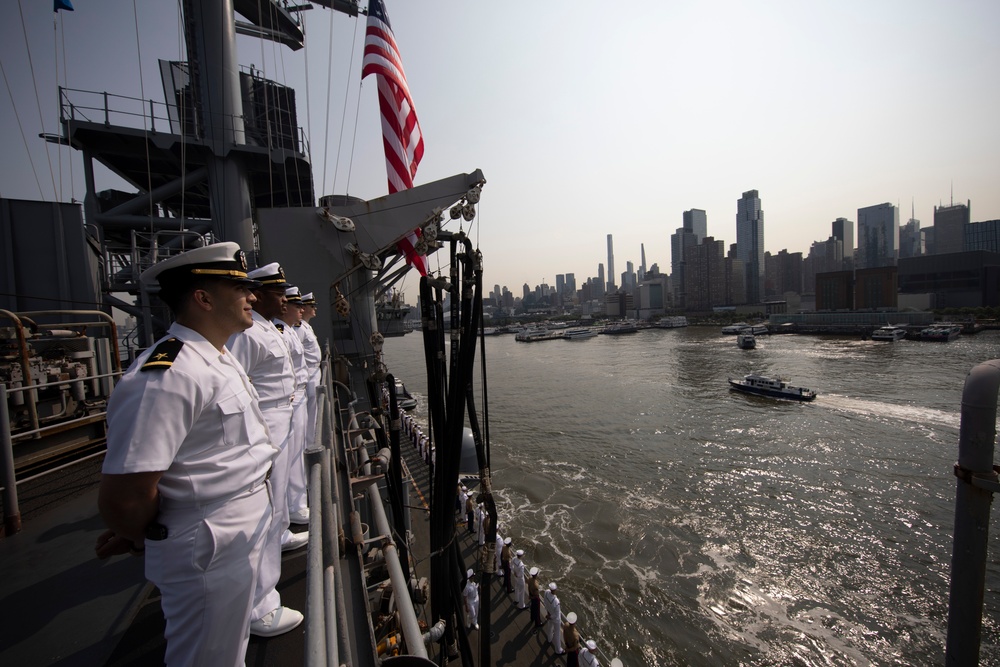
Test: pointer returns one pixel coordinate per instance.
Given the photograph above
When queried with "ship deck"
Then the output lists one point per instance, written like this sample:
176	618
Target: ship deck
64	607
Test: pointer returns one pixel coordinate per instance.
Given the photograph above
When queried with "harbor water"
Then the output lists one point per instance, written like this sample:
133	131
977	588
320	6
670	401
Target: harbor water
690	525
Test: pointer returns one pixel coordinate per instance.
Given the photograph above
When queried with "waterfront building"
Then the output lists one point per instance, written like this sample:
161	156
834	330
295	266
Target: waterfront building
691	233
843	231
956	280
652	295
875	288
878	236
750	243
835	290
911	241
782	273
983	236
949	227
824	257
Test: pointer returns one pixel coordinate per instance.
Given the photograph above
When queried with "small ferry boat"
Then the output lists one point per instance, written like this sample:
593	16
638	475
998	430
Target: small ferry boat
404	398
672	322
734	329
774	387
889	333
745	339
619	328
579	334
941	333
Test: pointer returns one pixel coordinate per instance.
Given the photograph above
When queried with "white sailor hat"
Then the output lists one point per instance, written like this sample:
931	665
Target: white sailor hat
465	488
308	299
469	573
571	617
591	645
552	586
533	571
219	260
506	540
270	276
519	553
293	295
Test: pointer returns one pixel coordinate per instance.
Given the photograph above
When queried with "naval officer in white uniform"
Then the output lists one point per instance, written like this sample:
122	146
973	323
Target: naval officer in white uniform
264	354
314	356
296	498
185	475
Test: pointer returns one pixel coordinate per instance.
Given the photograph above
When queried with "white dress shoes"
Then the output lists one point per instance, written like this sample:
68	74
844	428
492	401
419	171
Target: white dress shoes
300	517
292	541
276	622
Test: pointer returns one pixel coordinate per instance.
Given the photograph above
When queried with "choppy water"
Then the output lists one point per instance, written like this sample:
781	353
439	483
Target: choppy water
688	525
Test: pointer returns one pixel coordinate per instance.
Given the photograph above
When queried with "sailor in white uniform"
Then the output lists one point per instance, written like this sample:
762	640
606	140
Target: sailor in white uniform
498	554
264	354
517	570
588	654
314	356
471	594
553	624
296	496
188	455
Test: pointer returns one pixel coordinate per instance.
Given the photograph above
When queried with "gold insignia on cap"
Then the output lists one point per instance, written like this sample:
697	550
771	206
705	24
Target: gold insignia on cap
241	259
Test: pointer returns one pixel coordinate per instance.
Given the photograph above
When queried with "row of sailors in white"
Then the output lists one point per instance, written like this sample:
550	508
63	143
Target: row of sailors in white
423	444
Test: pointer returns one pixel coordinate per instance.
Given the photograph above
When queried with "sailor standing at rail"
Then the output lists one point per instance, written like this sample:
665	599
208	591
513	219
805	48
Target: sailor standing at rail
188	454
314	357
471	594
462	497
588	654
470	512
296	496
571	640
553	627
517	568
481	513
264	354
506	555
498	554
534	596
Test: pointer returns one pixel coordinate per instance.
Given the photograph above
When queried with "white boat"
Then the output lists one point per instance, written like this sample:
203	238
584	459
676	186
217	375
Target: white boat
673	322
734	329
941	333
775	387
745	339
889	333
579	334
619	328
404	398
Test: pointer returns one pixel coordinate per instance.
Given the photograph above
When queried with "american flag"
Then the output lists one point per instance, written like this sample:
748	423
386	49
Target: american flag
401	137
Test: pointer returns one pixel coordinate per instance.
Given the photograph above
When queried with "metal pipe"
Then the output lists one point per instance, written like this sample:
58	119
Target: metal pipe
145	200
333	593
976	444
315	609
400	586
22	341
11	511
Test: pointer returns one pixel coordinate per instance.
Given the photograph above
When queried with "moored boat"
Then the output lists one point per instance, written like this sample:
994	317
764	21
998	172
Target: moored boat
619	328
774	387
941	333
672	322
579	334
889	333
734	329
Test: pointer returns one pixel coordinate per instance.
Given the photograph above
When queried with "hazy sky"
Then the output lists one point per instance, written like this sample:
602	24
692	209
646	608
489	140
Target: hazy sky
585	120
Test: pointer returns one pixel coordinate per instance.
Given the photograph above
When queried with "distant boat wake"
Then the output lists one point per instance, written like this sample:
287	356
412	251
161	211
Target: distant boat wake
908	413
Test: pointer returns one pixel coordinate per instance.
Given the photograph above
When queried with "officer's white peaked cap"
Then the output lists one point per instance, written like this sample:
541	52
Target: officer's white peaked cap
293	294
219	260
309	299
270	275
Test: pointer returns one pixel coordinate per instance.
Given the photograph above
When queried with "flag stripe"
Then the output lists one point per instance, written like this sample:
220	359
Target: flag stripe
402	139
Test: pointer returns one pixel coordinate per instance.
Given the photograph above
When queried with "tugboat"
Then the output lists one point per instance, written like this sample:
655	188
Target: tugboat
774	387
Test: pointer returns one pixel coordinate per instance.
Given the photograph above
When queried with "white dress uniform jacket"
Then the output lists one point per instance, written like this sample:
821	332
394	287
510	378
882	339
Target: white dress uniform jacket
553	627
188	410
471	594
296	497
517	571
265	357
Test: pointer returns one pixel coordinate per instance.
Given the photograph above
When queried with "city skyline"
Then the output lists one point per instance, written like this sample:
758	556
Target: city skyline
592	125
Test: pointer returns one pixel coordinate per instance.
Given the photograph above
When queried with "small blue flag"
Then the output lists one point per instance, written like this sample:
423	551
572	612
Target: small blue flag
61	4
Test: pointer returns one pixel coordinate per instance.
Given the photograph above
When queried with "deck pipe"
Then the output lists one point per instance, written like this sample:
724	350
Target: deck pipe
408	623
11	511
973	497
316	653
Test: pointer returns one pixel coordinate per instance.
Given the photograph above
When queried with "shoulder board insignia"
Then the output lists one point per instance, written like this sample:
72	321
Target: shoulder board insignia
163	355
297	325
281	327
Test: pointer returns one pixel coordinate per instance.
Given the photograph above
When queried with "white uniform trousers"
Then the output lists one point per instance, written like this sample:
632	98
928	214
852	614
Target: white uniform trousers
206	571
520	589
296	498
266	597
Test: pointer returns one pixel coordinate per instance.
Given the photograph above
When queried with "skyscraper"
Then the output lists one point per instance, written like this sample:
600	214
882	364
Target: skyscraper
843	230
750	243
689	235
949	227
611	265
878	236
697	221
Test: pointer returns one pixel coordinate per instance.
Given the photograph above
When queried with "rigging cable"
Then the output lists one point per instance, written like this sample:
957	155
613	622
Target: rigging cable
20	128
38	103
72	183
145	134
343	116
326	125
55	62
